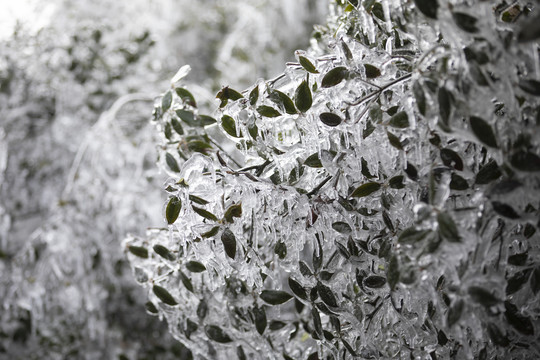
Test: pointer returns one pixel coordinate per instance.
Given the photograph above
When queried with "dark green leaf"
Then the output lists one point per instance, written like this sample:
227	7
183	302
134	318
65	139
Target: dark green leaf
202	309
302	97
412	235
465	21
442	339
326	295
173	209
388	222
521	323
276	325
483	131
177	126
205	120
191	327
392	272
330	119
282	99
166	101
138	251
234	211
275	297
482	296
516	282
525	161
418	93
211	232
505	210
396	182
317	324
197	200
530	86
297	289
217	334
304	269
186	96
150	307
228	94
164	252
454	312
394	140
447	227
372	72
307	65
368	130
186	281
366	189
195	266
428	7
229	243
451	158
171	162
342	227
529	231
445	107
188	117
488	173
229	125
399	120
205	213
458	183
280	249
496	335
349	348
254	95
164	295
374	281
199	146
535	280
268	111
411	171
334	76
259	315
313	161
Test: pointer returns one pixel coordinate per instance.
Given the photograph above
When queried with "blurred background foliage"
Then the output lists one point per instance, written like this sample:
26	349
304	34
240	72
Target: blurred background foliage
77	154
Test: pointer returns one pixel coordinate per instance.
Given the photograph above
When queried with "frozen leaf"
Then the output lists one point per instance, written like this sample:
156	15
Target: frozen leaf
197	200
228	94
229	243
171	162
326	295
447	227
458	183
186	96
233	211
366	189
284	100
412	235
529	231
504	210
304	269
188	117
394	140
418	92
334	76
307	65
349	348
173	209
205	120
317	325
254	95
465	22
280	249
488	173
396	182
202	309
317	256
483	131
177	126
392	272
268	111
482	296
205	213
330	119
399	120
530	86
164	295
516	282
261	322
372	72
451	158
297	289
313	161
164	252
275	297
428	7
445	107
521	323
211	232
195	266
454	312
525	161
150	307
217	334
302	98
139	251
374	281
535	280
496	335
229	125
342	227
166	101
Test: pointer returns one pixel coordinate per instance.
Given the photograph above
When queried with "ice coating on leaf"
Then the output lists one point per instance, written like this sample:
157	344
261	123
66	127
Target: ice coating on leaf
393	255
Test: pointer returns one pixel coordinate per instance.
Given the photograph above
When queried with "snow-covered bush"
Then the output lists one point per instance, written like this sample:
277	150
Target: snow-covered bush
379	199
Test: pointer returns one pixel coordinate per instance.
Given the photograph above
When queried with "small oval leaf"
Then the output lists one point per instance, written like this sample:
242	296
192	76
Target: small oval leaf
171	162
195	266
164	295
173	209
307	65
275	297
268	111
164	252
205	213
399	120
366	189
374	281
229	243
330	119
166	101
302	98
483	131
139	251
334	76
217	334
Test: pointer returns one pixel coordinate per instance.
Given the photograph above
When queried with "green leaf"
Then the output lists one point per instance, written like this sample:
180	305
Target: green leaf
302	97
205	213
458	183
372	72
229	125
394	140
259	315
504	210
412	235
150	307
342	227
488	173
195	266
307	65
326	294
317	257
199	146
188	117
521	323
186	96
428	7
233	211
465	22
368	130
229	243
334	76
228	94
517	281
535	280
396	182
525	161
330	119
254	95
280	249
275	297
217	334
164	252
313	161
392	272
399	120
451	158
212	232
297	289
530	86
168	131
166	101
138	251
164	295
483	131
482	296
197	200
366	189
445	107
317	326
496	335
177	126
186	281
173	209
283	99
268	111
454	312
447	227
205	120
171	162
419	94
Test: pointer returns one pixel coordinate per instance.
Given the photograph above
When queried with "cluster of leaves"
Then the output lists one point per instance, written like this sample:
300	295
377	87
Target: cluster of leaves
364	201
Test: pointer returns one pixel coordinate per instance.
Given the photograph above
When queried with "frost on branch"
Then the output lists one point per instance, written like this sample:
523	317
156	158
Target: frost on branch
377	200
